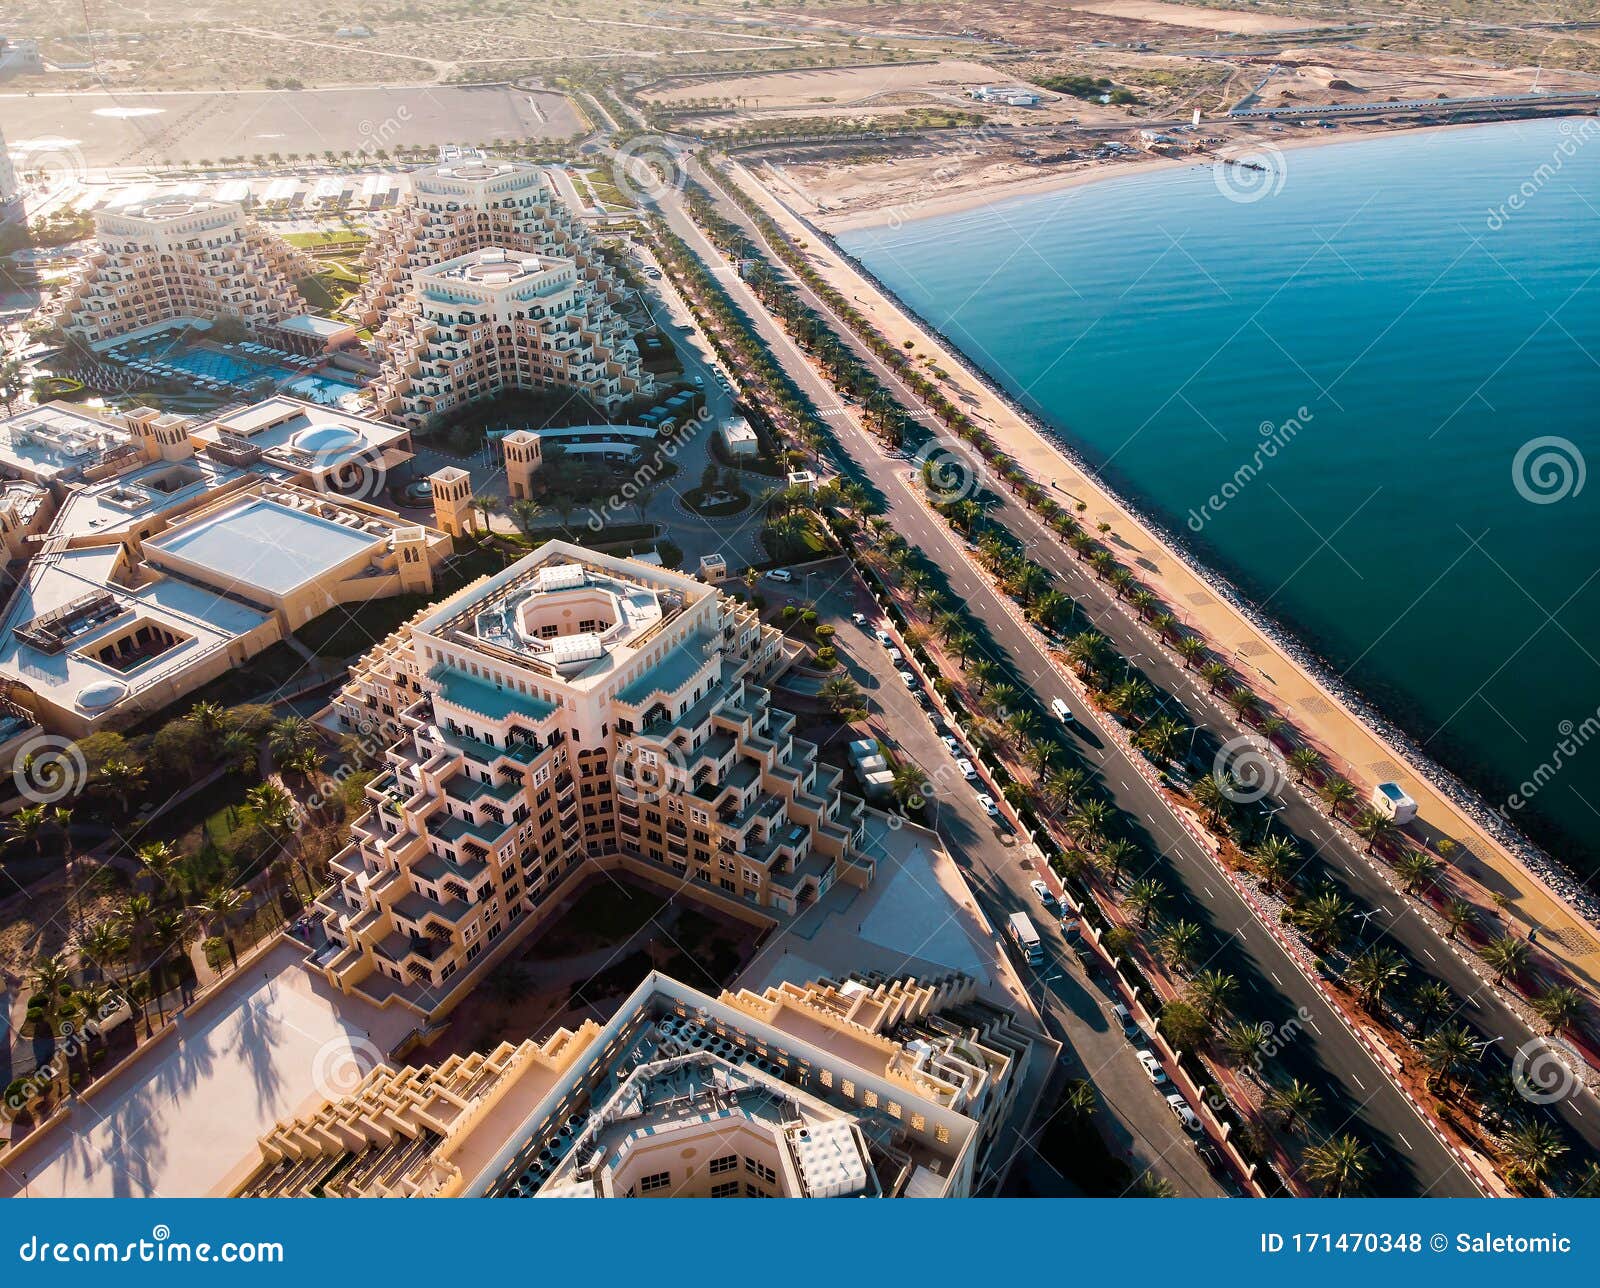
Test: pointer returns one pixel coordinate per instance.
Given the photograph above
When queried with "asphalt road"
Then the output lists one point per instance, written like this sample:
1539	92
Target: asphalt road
1137	1120
1330	853
1358	1096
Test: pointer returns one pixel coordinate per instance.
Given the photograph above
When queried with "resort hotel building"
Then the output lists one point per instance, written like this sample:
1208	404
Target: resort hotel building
163	552
868	1087
180	259
575	712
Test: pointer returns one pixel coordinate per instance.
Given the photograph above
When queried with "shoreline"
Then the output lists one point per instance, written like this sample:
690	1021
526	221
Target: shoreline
1542	872
895	214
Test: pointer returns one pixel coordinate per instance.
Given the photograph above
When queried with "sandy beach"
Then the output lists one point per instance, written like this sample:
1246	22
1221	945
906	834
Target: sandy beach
1333	720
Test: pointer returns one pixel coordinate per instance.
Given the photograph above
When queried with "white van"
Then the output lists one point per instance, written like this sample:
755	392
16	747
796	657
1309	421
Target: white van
1062	711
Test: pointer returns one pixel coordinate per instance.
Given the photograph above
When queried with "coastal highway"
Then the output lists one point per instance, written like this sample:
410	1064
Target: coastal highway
1408	1158
1369	883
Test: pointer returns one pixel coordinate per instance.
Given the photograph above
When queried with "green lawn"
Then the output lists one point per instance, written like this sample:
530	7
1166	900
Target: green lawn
324	237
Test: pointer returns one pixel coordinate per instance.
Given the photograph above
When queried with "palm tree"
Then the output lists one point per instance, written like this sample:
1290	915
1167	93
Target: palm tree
1375	828
1338	1165
1191	648
1212	800
1296	1102
1065	785
1376	971
1337	793
119	779
1416	868
1322	918
236	753
1160	738
484	505
1079	1099
101	945
1449	1052
1143	896
1215	674
1276	859
290	736
1303	760
27	824
1038	755
159	860
1247	1044
1089	820
1458	915
842	696
1432	1001
1559	1007
1505	956
1210	992
1587	1186
1534	1149
1116	854
1179	944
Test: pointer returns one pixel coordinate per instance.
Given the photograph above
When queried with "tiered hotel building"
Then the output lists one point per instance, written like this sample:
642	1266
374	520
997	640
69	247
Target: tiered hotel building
861	1088
178	259
577	711
483	282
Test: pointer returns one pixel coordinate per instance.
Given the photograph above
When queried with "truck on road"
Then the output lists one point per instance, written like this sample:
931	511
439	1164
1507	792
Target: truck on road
1023	934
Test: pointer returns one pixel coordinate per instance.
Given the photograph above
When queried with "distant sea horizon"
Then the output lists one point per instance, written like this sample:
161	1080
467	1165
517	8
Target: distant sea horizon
1412	322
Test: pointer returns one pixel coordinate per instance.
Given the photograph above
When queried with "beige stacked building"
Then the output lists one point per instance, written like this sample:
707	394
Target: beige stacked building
482	283
867	1088
178	260
577	711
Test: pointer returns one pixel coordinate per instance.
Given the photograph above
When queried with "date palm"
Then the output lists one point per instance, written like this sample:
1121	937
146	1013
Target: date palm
1375	828
1416	868
1161	738
1449	1053
1505	956
1079	1099
1458	915
1375	972
1295	1102
1210	992
1276	859
1322	918
1144	897
1338	794
1065	785
1179	945
1304	761
1432	1001
1560	1007
1338	1165
1191	648
1089	821
1535	1149
1215	674
1116	854
1214	802
1247	1043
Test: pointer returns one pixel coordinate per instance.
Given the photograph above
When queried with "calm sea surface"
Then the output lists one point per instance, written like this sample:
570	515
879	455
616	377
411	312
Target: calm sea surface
1424	307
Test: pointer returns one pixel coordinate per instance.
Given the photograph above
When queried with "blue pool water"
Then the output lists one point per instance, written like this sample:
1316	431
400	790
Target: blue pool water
1426	306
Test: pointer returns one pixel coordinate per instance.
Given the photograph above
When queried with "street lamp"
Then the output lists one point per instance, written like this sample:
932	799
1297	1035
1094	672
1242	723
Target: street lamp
1271	811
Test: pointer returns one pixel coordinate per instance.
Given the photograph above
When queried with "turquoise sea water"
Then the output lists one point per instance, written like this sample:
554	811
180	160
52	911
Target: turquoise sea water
1423	306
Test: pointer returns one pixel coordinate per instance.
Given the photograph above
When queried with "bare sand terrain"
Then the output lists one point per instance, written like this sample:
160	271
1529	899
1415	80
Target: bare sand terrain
947	79
1182	15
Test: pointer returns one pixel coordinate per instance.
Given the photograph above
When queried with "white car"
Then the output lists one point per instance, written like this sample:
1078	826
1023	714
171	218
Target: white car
779	574
1124	1017
1061	710
1152	1067
968	769
989	807
954	746
699	382
895	657
1186	1116
884	638
1042	892
860	619
907	678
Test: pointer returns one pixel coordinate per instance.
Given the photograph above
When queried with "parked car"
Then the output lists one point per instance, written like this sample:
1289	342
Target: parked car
779	574
884	638
1190	1120
1124	1017
700	382
1042	892
989	807
950	742
968	770
895	657
1152	1067
907	678
860	619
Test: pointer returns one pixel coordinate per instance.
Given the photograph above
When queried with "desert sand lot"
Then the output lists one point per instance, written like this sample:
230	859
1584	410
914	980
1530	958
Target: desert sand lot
164	128
840	87
1182	15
